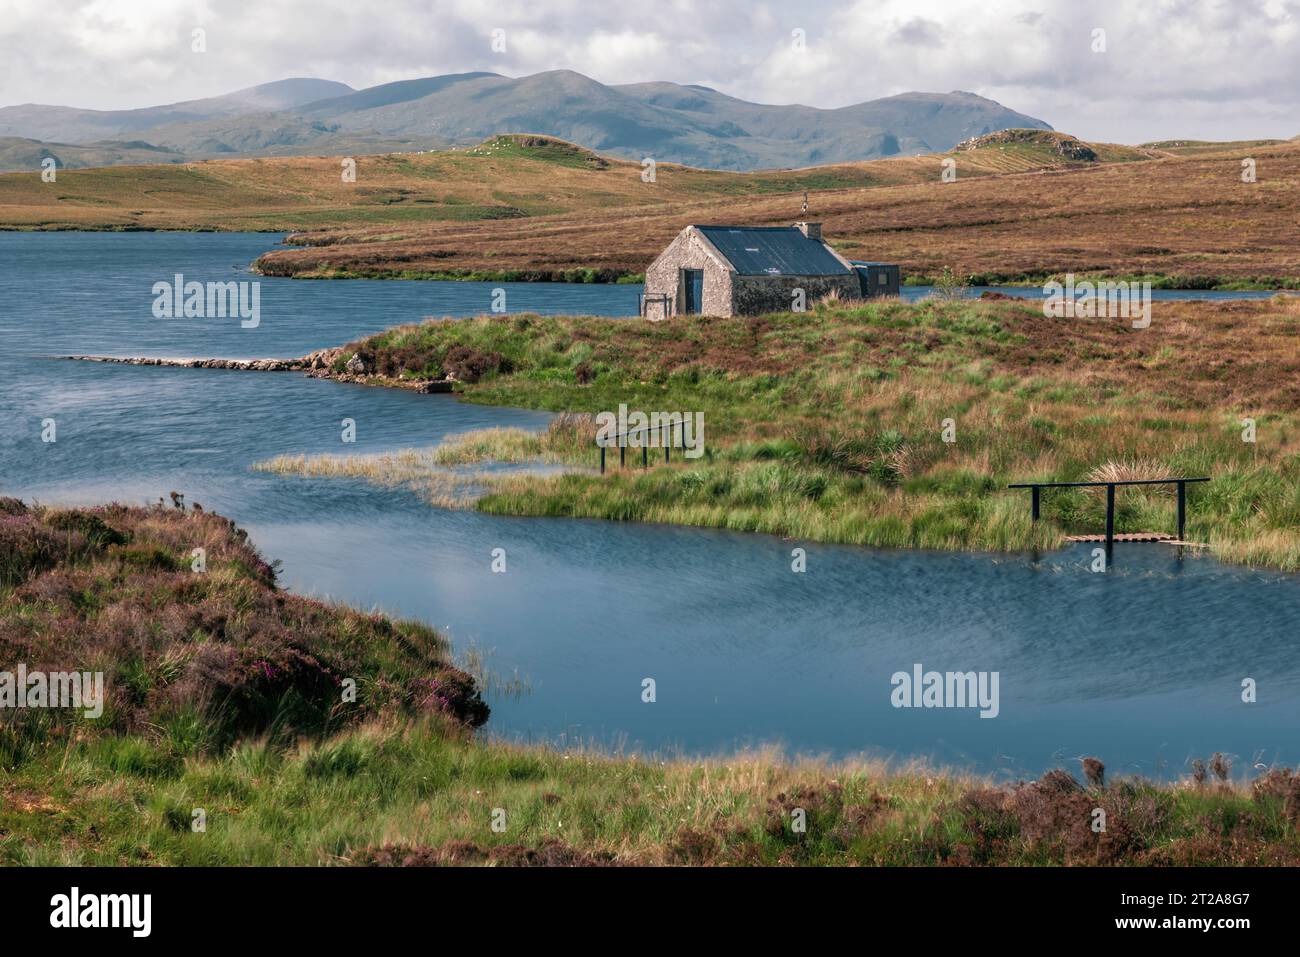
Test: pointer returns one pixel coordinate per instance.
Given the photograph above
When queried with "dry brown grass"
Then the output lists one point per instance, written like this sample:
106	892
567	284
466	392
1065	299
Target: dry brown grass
1138	470
1187	216
1011	211
394	194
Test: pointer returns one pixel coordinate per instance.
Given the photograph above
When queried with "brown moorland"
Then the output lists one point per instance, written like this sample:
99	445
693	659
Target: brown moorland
1025	204
507	178
1186	219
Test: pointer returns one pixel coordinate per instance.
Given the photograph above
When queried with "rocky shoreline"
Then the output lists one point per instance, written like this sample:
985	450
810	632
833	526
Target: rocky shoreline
316	365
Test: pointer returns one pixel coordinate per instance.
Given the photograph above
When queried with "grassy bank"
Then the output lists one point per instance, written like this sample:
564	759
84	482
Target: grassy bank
414	795
830	425
222	697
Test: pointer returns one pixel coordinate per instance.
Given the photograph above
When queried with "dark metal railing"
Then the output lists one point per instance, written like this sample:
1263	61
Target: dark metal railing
1036	488
665	430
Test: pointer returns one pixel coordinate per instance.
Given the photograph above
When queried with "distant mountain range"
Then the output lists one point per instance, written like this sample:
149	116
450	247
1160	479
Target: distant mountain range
693	125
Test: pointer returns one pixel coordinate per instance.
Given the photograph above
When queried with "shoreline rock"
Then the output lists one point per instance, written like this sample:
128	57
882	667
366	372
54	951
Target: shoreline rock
316	365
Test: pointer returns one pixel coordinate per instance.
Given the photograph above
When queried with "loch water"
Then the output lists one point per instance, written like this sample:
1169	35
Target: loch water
1141	666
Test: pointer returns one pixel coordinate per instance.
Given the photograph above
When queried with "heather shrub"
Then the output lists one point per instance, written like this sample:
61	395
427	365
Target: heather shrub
87	523
200	660
468	364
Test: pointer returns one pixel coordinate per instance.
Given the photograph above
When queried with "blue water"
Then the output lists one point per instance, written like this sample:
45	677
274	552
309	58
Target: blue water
1141	666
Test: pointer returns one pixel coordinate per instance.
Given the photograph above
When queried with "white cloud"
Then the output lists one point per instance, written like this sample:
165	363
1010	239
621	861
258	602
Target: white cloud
1197	68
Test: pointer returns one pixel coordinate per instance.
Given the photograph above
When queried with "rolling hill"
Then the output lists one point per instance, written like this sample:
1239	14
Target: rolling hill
18	153
1026	203
65	124
692	125
510	177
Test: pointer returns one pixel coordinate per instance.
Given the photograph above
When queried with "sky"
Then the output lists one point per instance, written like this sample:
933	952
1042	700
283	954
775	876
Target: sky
1158	69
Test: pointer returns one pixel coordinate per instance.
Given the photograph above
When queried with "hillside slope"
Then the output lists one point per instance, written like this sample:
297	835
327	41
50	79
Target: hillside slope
507	177
1025	203
68	124
672	123
1016	212
19	153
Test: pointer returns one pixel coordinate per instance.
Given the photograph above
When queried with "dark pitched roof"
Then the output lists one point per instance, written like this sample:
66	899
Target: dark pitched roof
773	251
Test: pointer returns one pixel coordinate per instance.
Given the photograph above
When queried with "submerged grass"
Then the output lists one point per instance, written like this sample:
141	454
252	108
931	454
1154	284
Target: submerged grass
411	469
436	473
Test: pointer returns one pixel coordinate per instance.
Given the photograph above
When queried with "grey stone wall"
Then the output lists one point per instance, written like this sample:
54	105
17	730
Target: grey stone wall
759	294
690	250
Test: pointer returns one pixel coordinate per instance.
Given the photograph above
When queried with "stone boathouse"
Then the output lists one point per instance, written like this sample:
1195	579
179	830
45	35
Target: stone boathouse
749	270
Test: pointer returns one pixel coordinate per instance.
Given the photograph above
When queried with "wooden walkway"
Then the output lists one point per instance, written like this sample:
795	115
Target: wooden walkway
1110	538
1159	537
